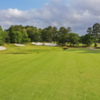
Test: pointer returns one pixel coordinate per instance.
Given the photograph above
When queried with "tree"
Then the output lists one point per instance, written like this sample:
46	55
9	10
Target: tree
17	37
73	38
33	33
63	35
43	35
2	36
10	30
55	34
7	37
82	40
47	34
50	34
69	29
96	31
89	30
25	38
87	39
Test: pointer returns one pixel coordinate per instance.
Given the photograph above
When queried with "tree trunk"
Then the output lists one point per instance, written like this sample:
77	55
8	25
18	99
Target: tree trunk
95	44
70	44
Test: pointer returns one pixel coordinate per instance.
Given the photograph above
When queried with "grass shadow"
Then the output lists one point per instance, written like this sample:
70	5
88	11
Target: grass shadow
90	51
85	50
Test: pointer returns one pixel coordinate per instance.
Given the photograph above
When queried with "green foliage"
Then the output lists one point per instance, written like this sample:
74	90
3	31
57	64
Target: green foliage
89	30
96	31
18	34
17	37
55	34
24	34
73	38
2	36
25	38
48	34
33	33
7	37
63	35
87	39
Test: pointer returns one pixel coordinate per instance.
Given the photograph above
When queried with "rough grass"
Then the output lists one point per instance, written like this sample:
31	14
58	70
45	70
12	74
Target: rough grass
28	49
49	73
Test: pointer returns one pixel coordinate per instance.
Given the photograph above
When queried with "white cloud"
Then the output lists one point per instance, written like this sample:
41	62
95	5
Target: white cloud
78	14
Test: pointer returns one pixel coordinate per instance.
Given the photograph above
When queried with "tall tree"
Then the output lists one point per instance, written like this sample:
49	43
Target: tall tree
96	31
39	35
2	36
47	34
69	29
44	35
17	37
25	38
33	33
11	29
63	35
7	37
87	39
50	34
89	30
55	34
73	38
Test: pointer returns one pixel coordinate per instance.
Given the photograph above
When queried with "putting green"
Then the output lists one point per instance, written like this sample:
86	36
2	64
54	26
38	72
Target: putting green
49	73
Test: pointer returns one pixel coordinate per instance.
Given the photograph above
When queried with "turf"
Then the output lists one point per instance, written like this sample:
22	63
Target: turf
49	73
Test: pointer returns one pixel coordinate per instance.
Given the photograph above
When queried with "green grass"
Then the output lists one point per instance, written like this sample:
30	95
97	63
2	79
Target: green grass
28	49
49	73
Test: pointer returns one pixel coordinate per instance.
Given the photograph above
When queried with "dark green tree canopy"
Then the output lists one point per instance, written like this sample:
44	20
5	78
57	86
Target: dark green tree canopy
89	30
87	39
2	36
73	38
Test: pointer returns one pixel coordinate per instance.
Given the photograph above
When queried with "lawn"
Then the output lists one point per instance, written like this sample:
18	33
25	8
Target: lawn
49	73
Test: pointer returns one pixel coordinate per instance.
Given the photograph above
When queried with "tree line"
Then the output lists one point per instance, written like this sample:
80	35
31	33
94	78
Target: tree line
25	34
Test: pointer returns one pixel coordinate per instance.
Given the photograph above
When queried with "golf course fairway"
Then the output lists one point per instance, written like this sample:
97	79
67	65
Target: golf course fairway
49	73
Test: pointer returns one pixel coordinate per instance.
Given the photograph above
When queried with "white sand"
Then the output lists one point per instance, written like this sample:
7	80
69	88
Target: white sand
19	44
50	44
37	43
46	44
2	48
91	48
34	43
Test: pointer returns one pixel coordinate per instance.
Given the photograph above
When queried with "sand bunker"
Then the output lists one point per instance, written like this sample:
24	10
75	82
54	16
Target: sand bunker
37	43
19	44
50	44
91	48
2	48
34	43
46	44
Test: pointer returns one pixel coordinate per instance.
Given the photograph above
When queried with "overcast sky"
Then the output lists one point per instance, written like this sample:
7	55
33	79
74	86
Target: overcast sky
77	14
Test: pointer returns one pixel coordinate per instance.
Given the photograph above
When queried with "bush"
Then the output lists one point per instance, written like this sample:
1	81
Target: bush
26	40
